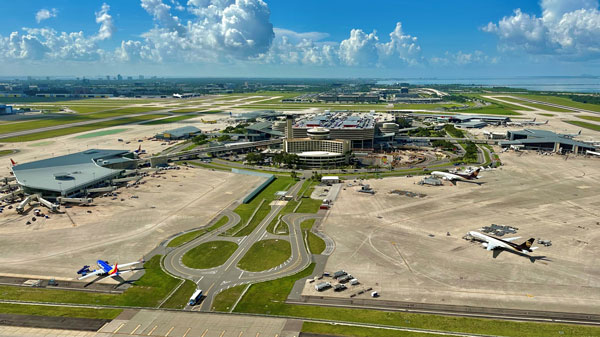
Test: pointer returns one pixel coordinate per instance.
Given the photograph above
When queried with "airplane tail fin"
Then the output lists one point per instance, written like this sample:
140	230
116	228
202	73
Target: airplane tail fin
546	122
476	172
579	132
12	162
526	246
534	118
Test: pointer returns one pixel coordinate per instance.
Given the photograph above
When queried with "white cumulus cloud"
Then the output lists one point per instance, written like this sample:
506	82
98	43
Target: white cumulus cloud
44	14
107	27
567	28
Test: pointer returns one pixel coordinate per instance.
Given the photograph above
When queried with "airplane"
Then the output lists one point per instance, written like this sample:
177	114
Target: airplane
139	150
12	162
571	135
454	177
522	123
177	96
497	245
105	270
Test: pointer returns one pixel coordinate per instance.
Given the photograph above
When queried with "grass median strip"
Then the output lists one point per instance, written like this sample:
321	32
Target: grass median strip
586	125
315	243
266	254
180	298
356	331
54	311
148	291
225	300
187	237
209	254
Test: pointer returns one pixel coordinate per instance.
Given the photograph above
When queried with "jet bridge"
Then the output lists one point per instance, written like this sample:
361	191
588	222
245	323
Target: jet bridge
36	197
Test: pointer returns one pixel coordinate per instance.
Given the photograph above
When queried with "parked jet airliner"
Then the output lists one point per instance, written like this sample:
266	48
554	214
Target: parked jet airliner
497	244
453	177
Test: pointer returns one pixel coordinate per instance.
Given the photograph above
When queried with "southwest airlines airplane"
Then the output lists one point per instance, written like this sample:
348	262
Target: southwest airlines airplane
105	269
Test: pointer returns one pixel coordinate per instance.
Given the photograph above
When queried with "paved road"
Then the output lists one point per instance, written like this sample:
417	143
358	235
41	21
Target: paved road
217	279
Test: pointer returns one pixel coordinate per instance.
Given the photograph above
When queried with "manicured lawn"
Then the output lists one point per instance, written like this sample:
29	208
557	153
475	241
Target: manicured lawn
89	109
262	212
45	310
209	254
225	300
5	152
344	330
149	291
491	111
309	205
181	297
586	125
287	209
315	243
590	118
266	254
268	194
187	237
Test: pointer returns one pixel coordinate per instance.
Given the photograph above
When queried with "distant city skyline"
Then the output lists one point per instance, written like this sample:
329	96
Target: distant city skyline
286	38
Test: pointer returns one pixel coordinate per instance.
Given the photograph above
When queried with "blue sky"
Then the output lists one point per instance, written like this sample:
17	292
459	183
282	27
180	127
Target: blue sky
310	38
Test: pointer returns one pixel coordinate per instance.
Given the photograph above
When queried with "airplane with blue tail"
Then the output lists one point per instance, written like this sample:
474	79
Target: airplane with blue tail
105	269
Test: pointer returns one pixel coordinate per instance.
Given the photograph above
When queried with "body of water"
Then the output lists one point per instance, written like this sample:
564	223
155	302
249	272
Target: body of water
569	84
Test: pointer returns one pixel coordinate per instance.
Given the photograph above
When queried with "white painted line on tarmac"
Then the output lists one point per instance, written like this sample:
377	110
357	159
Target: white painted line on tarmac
242	273
119	328
186	332
151	331
134	330
168	332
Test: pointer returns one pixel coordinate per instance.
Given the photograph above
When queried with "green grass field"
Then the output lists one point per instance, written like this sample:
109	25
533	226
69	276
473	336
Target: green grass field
316	245
495	110
268	194
149	291
586	125
225	300
54	311
265	254
287	209
180	298
344	330
6	152
187	237
209	254
590	118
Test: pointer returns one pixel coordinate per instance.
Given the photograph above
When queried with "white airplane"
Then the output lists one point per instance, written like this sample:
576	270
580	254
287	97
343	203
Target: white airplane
497	245
571	135
105	270
454	177
592	153
523	123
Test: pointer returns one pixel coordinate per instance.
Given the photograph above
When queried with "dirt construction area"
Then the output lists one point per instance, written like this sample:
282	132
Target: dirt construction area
411	248
118	229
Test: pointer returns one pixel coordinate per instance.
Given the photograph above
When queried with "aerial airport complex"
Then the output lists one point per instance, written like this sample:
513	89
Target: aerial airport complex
367	208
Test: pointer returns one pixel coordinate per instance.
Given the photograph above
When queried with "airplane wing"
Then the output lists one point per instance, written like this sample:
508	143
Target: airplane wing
94	273
490	246
512	239
128	264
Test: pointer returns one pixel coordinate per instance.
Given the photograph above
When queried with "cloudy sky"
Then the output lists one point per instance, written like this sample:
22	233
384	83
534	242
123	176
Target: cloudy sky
300	38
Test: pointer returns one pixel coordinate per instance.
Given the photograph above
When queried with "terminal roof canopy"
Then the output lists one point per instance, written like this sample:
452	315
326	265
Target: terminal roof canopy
67	173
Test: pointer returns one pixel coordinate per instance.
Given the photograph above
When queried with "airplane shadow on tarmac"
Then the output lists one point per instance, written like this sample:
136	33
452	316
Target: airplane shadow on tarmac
532	259
117	277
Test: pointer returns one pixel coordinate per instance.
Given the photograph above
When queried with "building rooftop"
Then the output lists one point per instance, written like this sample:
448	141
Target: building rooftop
338	120
67	173
182	131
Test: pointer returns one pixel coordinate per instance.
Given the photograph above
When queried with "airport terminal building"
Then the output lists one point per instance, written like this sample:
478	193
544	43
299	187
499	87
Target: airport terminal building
359	129
73	174
532	139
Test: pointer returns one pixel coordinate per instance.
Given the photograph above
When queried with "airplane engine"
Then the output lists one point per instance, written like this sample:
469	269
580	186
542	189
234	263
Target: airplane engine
484	245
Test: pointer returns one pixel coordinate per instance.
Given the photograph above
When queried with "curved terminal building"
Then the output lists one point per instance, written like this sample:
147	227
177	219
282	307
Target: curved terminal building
318	150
